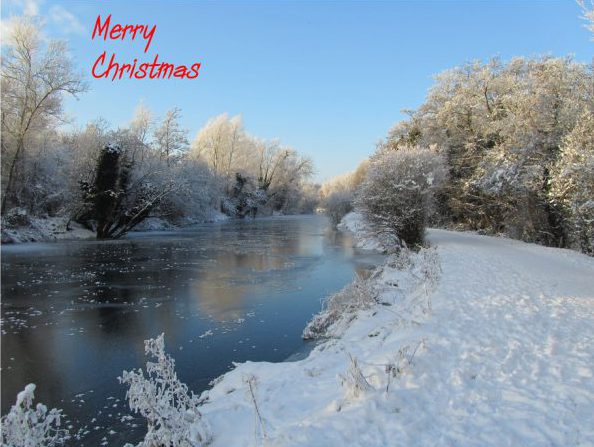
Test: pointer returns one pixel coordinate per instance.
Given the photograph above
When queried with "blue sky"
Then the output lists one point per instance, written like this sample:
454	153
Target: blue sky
327	78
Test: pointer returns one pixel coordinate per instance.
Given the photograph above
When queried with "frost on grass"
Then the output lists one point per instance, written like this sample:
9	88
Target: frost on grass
354	382
25	426
259	427
171	410
406	275
341	308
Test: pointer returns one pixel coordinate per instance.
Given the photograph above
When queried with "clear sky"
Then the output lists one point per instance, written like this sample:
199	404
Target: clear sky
327	78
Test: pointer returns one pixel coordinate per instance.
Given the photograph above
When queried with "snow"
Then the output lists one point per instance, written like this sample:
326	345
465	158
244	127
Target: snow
31	426
27	394
54	228
365	237
47	229
113	148
170	409
497	351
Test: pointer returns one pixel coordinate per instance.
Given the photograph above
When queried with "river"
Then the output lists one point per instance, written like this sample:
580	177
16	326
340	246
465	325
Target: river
75	314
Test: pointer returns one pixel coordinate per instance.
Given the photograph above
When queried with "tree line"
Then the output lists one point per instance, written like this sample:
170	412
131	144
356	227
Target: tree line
500	147
110	180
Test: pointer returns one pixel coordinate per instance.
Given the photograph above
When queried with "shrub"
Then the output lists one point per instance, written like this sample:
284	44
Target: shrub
25	426
397	194
170	409
338	204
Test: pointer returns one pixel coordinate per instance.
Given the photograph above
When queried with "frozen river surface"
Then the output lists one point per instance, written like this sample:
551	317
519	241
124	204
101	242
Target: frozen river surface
75	314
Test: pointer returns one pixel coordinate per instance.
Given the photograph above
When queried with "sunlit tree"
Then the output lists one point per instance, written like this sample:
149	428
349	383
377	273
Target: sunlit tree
36	74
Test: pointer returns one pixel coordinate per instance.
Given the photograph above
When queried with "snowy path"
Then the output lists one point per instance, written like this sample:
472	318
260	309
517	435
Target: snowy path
507	360
514	335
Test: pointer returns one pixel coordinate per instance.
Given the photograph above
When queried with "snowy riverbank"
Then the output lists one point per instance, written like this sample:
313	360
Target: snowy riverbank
45	230
496	351
52	229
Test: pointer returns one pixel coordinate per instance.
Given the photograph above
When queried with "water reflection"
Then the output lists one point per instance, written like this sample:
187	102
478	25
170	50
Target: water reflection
75	314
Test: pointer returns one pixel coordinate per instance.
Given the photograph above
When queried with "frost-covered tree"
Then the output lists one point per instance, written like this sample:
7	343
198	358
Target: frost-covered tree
397	193
223	144
197	192
142	123
28	426
140	128
285	186
572	183
170	409
170	138
338	204
337	195
500	126
264	173
36	73
119	198
309	198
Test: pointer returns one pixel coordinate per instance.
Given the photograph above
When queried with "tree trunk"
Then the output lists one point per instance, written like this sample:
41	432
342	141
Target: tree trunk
11	175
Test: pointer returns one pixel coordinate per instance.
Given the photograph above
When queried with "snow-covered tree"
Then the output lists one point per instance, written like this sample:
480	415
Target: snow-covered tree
140	129
255	172
36	74
28	426
119	198
337	204
170	138
170	409
197	192
337	195
572	183
500	127
223	144
142	123
397	193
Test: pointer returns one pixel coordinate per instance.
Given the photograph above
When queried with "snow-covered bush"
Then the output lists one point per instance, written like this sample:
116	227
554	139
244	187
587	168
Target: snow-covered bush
397	193
171	410
338	204
366	237
197	195
338	194
25	426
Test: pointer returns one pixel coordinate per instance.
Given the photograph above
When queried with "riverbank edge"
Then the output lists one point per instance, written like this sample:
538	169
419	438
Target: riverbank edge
474	341
275	402
53	229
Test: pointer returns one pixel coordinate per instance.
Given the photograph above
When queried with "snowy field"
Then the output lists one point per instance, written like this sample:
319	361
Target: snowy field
496	351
